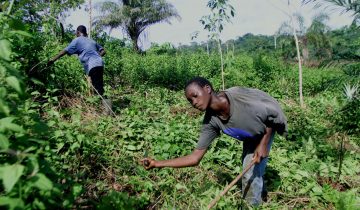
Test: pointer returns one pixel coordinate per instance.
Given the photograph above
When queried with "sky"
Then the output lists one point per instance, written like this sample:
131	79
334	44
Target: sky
251	16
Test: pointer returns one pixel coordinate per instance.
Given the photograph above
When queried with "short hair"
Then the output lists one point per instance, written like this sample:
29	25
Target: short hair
82	29
201	81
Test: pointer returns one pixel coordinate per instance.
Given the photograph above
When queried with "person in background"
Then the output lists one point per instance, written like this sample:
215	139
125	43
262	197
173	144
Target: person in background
246	114
90	55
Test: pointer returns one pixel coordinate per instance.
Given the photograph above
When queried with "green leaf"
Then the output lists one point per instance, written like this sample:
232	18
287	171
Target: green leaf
303	173
74	146
11	203
77	189
11	175
317	190
22	33
131	147
5	49
14	83
2	69
38	204
6	123
221	27
180	186
4	108
3	91
4	142
298	177
42	182
166	147
285	174
59	146
145	154
37	82
16	24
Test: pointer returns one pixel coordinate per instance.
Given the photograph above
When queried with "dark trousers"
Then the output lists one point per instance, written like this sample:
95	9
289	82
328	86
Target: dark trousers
96	75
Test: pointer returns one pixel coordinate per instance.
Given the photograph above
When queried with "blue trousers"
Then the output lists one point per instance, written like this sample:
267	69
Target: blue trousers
253	180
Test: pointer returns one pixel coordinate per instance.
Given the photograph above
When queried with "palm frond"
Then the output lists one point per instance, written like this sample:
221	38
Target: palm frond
343	5
350	91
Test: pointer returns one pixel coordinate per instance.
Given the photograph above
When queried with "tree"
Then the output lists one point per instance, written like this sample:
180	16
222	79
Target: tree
314	40
33	11
318	38
343	5
42	15
296	29
221	11
134	16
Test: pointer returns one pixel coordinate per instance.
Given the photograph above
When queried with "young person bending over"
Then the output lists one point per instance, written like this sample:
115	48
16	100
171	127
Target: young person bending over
249	115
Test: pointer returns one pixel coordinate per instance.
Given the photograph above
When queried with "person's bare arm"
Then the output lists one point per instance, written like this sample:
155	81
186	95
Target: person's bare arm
59	55
261	150
189	160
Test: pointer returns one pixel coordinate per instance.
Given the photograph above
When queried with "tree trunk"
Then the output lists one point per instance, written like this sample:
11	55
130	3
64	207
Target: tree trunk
275	40
305	54
222	64
134	36
135	44
233	49
207	47
227	48
300	68
305	51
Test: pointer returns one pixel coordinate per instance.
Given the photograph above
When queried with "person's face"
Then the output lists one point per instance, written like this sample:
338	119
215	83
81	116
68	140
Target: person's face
77	33
199	97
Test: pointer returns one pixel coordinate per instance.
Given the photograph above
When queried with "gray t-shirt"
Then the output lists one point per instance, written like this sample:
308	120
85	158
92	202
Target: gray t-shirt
251	111
87	49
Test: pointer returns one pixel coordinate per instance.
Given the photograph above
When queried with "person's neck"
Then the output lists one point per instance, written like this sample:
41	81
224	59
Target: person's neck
220	104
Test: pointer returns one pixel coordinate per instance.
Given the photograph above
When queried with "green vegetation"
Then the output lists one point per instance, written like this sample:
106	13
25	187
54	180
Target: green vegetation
58	151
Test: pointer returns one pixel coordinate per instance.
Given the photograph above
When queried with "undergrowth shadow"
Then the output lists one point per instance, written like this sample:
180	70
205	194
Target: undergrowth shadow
224	178
120	103
272	179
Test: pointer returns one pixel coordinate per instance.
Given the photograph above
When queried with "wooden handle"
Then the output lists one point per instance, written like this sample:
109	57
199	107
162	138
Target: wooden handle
227	188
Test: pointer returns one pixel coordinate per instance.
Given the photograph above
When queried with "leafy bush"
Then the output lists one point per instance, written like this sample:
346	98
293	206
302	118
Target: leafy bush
24	170
166	70
347	117
319	80
113	62
118	200
239	72
301	123
352	70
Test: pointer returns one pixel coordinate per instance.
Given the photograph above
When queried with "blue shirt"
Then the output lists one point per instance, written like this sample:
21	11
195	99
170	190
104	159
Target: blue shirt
87	50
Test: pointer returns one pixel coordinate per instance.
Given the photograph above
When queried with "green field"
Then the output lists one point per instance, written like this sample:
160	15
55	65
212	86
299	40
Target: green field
60	151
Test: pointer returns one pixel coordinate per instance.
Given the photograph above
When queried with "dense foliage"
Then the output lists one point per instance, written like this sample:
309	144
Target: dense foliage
58	151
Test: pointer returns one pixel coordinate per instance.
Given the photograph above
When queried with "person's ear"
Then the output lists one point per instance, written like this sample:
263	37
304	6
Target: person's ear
208	89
